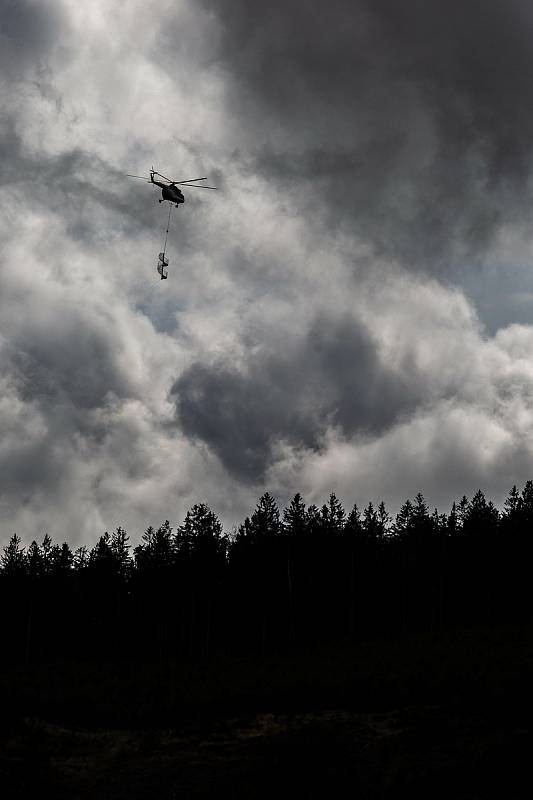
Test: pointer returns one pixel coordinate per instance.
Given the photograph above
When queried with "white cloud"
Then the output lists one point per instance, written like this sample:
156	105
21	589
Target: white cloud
91	342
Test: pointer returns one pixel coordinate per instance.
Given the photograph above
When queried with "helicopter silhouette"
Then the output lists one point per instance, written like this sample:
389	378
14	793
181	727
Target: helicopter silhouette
170	189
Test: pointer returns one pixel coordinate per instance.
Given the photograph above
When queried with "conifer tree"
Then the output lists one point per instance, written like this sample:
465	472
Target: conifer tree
527	501
295	517
13	562
34	560
157	548
200	540
480	515
60	559
513	503
46	550
420	514
312	519
371	526
353	538
452	523
101	555
81	558
201	529
462	511
383	520
353	526
332	516
265	521
120	549
404	520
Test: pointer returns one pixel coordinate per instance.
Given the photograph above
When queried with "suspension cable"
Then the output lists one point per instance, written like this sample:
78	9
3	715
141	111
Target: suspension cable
168	226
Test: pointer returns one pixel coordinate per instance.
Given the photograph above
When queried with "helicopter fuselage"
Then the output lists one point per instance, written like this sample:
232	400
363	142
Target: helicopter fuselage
169	192
173	194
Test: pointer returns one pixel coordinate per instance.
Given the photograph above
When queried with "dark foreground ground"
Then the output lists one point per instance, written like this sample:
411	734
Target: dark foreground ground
432	716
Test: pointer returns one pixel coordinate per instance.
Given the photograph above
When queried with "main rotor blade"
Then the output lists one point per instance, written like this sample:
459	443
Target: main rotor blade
186	183
142	178
192	186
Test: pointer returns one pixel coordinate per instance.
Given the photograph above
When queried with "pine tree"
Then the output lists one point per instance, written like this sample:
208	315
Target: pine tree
101	555
120	549
439	522
384	520
353	527
267	568
265	521
420	515
13	562
480	515
371	526
312	519
513	504
452	522
201	547
201	529
81	558
332	516
462	511
60	559
157	548
527	501
404	520
34	560
243	535
353	539
295	517
46	550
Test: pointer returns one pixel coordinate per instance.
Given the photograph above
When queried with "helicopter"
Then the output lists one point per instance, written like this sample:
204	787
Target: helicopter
170	189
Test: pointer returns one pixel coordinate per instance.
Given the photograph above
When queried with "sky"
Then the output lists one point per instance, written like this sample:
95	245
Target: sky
351	311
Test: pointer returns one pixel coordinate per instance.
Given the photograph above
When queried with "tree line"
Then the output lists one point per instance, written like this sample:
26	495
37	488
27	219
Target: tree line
303	577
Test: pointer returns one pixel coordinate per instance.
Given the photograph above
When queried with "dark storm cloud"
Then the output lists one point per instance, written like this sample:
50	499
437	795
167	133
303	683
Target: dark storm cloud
68	360
409	123
332	377
66	376
31	466
27	32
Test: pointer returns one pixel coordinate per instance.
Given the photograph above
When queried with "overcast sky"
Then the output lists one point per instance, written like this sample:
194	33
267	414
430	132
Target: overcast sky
352	311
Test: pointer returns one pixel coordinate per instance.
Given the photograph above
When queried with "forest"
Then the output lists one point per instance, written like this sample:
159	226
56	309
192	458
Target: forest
282	581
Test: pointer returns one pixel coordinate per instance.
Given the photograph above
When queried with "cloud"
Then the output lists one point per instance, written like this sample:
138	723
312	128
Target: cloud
310	337
410	125
29	31
330	376
408	391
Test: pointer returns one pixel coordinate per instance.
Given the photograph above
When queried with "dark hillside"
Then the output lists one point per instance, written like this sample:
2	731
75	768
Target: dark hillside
314	647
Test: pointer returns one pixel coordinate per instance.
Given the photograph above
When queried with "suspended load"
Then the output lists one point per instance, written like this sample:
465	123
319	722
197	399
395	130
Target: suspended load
162	266
163	260
174	195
